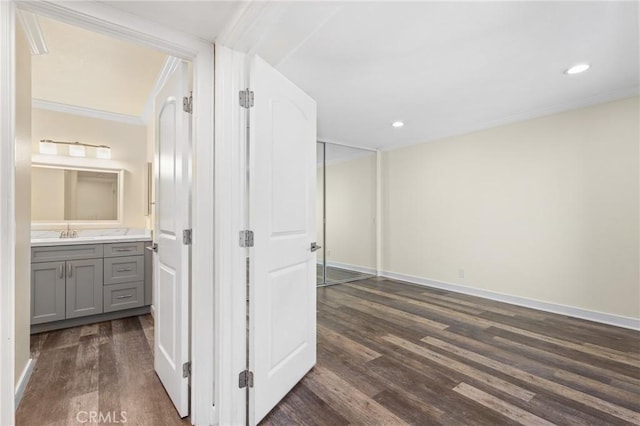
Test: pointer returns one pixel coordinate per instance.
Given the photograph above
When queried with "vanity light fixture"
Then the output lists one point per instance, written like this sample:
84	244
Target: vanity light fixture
103	152
48	148
397	124
76	149
577	69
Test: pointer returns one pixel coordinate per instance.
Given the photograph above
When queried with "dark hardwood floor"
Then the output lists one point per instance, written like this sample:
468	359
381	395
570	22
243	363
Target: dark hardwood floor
106	368
391	353
388	353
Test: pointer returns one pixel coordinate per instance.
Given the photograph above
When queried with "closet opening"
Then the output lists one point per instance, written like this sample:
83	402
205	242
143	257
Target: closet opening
346	213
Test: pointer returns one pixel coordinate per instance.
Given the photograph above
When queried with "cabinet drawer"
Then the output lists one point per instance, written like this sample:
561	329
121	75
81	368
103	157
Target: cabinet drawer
119	270
73	252
123	296
124	249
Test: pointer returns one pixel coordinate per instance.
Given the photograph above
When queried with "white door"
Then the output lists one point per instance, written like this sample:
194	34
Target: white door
282	216
171	274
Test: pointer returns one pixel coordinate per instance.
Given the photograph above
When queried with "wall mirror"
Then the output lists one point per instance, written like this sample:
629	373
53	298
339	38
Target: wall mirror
63	194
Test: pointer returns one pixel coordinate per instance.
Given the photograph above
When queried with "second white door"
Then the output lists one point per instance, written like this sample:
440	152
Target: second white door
171	274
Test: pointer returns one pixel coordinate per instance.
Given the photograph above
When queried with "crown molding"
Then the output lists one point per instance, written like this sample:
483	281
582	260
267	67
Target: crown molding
31	27
87	112
169	66
238	33
559	108
101	18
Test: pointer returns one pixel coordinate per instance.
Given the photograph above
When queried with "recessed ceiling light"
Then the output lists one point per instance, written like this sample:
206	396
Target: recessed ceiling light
577	69
397	124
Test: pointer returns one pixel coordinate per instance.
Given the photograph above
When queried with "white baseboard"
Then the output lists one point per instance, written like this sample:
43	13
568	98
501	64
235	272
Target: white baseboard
357	268
24	379
601	317
153	312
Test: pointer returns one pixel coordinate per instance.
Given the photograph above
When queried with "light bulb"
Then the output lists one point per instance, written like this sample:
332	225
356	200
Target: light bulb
77	150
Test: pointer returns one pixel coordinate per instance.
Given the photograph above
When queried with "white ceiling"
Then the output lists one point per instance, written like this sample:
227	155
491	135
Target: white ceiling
450	68
444	68
90	70
204	19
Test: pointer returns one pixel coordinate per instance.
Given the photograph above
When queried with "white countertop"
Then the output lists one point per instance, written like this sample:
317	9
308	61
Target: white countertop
52	238
39	242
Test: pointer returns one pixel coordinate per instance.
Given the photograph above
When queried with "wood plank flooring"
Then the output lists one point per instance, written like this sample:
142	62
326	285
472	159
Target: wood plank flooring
105	368
388	353
391	353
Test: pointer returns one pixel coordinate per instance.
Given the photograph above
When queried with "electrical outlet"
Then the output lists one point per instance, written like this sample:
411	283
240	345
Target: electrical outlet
460	273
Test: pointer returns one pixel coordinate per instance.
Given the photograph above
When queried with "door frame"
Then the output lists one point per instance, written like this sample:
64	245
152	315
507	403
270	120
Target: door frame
204	312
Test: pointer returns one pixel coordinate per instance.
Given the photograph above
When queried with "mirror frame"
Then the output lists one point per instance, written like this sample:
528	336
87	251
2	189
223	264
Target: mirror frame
63	223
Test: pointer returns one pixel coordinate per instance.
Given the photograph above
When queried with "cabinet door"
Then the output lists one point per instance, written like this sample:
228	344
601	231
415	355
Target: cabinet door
47	292
84	287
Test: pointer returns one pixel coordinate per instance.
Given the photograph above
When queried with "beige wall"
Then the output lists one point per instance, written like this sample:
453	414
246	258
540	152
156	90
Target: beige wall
546	209
23	203
128	144
47	194
351	208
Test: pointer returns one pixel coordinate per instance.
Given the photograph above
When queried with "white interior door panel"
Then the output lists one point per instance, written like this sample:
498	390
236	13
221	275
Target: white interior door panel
282	216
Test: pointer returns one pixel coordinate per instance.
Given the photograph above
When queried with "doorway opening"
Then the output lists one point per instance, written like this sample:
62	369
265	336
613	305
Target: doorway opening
346	214
110	184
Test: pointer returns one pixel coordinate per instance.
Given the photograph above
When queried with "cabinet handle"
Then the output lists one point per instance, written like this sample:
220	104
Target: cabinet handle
125	270
61	271
124	297
69	270
125	249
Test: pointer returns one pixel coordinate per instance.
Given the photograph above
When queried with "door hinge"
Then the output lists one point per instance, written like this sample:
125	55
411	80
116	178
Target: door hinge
245	378
187	236
246	238
246	98
186	369
187	103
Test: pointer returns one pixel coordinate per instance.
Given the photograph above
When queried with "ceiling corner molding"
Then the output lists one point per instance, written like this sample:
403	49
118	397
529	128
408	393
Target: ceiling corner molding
240	33
87	112
31	26
101	18
257	26
559	108
169	66
320	20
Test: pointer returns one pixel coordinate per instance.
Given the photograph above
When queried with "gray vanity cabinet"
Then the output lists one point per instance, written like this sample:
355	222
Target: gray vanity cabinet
75	284
84	287
124	276
65	289
47	292
66	282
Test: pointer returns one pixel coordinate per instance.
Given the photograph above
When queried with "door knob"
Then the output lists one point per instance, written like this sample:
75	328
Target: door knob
315	247
153	247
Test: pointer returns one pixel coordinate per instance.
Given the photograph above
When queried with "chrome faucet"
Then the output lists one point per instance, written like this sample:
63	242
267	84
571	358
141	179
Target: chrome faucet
68	233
